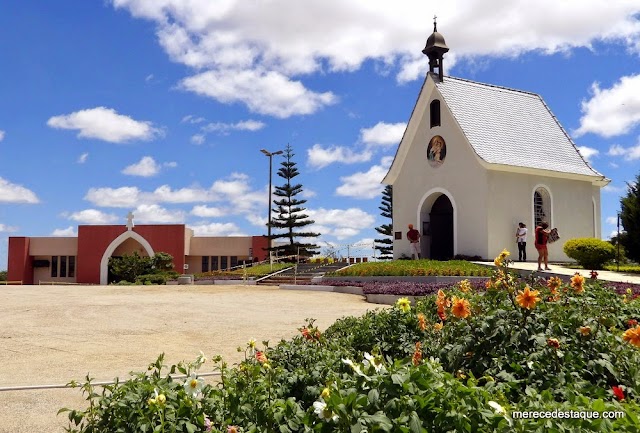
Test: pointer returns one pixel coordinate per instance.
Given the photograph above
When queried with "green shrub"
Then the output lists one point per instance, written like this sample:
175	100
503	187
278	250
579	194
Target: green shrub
590	253
152	279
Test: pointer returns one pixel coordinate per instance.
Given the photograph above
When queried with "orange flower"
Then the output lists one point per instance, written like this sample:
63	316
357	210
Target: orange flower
585	330
441	300
261	357
528	298
577	282
554	283
422	322
461	308
632	336
417	354
553	342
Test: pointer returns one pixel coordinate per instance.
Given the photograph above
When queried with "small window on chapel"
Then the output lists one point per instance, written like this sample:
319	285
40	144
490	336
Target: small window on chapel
434	111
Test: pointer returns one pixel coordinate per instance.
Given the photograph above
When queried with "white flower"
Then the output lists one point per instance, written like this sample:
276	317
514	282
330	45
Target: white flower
193	385
374	361
356	368
500	411
320	409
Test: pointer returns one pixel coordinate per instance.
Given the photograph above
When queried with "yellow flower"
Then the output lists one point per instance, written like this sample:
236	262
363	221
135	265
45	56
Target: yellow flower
404	304
504	254
161	399
528	298
585	330
460	308
325	393
577	282
497	261
438	326
632	335
465	285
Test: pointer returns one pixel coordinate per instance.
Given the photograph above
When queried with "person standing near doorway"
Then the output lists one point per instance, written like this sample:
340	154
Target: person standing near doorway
521	239
414	241
542	237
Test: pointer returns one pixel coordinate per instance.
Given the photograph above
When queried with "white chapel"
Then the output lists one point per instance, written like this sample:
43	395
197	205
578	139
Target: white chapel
476	159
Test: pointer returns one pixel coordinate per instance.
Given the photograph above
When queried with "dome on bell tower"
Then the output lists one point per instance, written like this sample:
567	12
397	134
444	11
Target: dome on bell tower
435	49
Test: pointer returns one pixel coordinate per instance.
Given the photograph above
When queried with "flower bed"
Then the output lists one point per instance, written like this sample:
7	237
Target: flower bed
414	268
459	360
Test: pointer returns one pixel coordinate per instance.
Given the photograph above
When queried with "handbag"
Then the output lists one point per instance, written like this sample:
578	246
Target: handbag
553	236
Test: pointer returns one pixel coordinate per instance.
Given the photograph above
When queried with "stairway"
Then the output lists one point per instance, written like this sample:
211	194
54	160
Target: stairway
305	273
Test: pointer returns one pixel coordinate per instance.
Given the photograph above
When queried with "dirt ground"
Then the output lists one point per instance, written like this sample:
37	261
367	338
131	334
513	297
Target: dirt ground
55	334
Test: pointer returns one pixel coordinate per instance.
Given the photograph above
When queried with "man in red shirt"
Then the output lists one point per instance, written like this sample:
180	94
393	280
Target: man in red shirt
414	241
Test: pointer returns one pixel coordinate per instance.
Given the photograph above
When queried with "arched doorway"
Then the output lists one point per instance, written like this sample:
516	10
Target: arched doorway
441	228
127	243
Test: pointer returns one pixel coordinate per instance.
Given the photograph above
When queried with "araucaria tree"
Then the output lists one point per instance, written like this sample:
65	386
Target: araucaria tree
290	213
385	245
630	219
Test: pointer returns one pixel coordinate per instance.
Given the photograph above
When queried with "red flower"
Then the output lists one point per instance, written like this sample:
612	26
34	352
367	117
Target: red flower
594	275
442	315
618	392
631	323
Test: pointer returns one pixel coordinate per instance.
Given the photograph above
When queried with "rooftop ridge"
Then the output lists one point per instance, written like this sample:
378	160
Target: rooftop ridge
494	86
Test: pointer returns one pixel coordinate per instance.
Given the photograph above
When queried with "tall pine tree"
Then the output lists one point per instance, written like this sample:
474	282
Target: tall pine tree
630	219
385	245
290	215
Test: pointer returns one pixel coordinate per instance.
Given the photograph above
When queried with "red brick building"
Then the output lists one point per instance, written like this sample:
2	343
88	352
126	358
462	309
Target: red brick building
85	258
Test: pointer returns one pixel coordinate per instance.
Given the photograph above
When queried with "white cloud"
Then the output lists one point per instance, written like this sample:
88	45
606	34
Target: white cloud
13	193
92	216
319	157
216	229
7	229
68	232
244	125
365	185
149	78
207	212
240	49
155	214
171	164
83	158
146	167
2	134
612	221
613	189
612	111
270	93
190	118
341	223
588	152
198	139
629	153
383	134
105	124
126	196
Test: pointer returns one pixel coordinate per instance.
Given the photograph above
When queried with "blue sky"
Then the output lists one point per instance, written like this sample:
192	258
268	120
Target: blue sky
162	107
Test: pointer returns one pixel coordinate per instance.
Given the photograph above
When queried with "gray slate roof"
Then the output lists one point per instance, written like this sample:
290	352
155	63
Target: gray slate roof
512	127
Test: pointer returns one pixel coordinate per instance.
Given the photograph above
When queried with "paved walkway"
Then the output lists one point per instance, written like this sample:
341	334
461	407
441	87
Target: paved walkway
562	271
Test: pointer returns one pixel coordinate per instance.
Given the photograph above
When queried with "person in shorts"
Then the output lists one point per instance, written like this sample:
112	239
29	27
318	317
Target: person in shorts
541	240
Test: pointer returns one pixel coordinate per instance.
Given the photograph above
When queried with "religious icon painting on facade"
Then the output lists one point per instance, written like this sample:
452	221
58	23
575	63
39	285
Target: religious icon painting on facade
436	151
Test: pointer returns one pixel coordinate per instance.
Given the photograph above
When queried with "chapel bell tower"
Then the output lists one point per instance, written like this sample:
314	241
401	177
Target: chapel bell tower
434	50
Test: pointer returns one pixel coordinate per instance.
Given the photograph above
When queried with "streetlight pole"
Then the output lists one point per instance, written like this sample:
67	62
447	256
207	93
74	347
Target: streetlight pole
618	242
270	155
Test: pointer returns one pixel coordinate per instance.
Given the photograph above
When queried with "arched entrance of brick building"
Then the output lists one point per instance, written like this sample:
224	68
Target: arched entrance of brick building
127	243
437	215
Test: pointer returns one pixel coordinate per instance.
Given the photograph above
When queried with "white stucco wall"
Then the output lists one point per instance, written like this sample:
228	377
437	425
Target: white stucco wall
511	201
460	175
